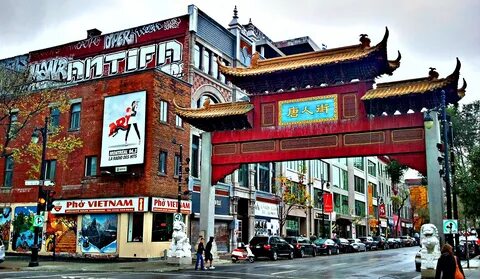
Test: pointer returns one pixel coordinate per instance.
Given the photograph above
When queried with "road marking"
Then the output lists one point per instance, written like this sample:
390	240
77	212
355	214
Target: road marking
288	271
337	264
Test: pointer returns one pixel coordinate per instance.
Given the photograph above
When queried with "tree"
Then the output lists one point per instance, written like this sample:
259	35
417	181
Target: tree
395	171
465	159
23	109
292	195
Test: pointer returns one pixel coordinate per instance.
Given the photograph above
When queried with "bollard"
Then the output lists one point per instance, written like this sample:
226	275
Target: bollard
165	254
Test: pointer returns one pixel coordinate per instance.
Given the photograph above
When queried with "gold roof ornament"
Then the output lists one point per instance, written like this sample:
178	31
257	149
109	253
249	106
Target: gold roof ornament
416	86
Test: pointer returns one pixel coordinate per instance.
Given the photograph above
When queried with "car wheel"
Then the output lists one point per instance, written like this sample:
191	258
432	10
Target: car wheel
274	256
302	253
251	259
290	256
234	260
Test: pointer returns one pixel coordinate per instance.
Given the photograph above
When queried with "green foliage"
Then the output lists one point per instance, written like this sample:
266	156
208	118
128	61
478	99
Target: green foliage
395	170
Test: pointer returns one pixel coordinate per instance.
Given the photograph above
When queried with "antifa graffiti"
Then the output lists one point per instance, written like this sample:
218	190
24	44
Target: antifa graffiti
167	56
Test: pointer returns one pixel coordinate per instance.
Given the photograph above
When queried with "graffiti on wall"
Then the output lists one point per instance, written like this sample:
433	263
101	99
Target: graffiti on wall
98	234
166	56
23	230
17	63
5	221
61	233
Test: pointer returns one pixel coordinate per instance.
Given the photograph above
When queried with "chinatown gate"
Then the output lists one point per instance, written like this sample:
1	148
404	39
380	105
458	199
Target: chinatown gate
321	105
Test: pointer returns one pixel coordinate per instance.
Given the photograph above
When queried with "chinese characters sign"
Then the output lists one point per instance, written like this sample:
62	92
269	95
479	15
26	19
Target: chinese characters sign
308	110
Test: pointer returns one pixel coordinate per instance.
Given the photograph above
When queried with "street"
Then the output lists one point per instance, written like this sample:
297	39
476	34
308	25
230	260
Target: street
394	263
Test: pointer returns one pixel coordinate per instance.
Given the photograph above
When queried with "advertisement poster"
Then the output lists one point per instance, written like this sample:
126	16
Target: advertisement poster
327	202
370	199
5	221
64	230
99	233
123	135
23	230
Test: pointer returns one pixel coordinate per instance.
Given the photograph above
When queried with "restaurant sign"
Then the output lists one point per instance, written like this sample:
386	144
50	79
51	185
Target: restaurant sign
107	205
170	205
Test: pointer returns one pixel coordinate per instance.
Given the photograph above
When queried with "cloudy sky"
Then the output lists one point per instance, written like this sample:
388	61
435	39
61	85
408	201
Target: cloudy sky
428	33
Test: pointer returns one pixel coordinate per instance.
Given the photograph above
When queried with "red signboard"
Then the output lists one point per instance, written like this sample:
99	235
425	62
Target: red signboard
327	203
382	211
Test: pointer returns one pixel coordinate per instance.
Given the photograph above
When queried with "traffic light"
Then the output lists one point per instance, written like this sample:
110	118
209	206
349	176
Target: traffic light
187	170
42	200
50	200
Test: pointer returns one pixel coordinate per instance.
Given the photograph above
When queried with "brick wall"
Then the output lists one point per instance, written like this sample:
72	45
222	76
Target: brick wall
70	180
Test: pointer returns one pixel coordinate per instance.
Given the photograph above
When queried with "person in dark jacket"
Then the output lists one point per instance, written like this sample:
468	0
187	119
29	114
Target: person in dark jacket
200	250
208	253
447	263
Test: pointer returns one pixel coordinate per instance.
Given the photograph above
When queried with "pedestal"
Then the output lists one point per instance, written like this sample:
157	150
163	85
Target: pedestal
179	261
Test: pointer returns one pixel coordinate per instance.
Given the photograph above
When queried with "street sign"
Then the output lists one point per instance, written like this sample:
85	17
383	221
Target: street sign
39	183
450	226
38	221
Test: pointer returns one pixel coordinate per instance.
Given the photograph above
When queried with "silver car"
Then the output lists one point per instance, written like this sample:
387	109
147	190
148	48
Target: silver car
357	245
2	251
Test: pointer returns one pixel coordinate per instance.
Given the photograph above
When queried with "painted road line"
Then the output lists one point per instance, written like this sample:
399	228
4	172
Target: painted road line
281	272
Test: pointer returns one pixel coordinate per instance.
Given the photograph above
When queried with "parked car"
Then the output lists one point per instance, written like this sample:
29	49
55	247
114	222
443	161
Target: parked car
369	242
407	240
381	242
343	245
271	247
392	243
357	245
400	242
462	250
326	246
2	251
301	246
418	261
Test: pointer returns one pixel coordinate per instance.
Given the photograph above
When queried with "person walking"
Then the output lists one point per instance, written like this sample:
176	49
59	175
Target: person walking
200	250
208	253
448	264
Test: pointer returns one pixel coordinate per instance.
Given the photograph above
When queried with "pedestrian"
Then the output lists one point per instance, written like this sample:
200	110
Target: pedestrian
200	250
448	265
208	253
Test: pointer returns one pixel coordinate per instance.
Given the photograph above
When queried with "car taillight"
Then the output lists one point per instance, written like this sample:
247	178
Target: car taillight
298	246
266	247
324	246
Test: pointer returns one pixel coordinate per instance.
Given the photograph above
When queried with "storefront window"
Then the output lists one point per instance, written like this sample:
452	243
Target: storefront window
293	227
162	227
264	177
135	227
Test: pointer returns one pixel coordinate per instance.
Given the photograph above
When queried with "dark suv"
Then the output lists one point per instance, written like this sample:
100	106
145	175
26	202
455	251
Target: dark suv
271	247
381	242
302	246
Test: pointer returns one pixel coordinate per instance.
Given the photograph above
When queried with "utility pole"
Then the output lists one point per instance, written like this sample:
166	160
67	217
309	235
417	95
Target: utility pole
447	162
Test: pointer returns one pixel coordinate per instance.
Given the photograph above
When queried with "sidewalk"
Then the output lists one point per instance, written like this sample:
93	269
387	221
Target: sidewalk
18	263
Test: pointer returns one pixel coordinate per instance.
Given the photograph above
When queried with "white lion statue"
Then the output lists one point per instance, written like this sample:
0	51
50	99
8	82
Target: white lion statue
180	246
430	246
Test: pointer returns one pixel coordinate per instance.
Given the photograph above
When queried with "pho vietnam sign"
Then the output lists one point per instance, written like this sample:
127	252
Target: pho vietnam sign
107	205
266	209
170	205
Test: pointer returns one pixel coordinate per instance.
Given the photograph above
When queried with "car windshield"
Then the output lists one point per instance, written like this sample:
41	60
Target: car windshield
320	241
258	240
291	240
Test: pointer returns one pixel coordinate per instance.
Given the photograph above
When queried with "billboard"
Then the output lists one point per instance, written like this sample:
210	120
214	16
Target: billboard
123	134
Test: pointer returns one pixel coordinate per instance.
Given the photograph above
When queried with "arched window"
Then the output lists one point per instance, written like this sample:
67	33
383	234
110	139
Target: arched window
202	99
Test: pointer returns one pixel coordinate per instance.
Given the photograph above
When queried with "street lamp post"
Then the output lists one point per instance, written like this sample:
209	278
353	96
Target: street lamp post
35	136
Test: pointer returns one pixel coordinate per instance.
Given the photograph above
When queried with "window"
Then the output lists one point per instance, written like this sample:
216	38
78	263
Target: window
163	111
195	160
340	178
206	61
75	110
372	168
359	184
243	175
8	174
14	125
91	166
162	227
162	162
342	161
359	208
196	56
203	98
177	165
178	121
50	169
54	118
374	190
358	162
340	203
215	67
264	177
317	198
245	56
135	227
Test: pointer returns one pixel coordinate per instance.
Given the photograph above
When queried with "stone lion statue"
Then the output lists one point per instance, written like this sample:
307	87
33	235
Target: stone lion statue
180	245
430	246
